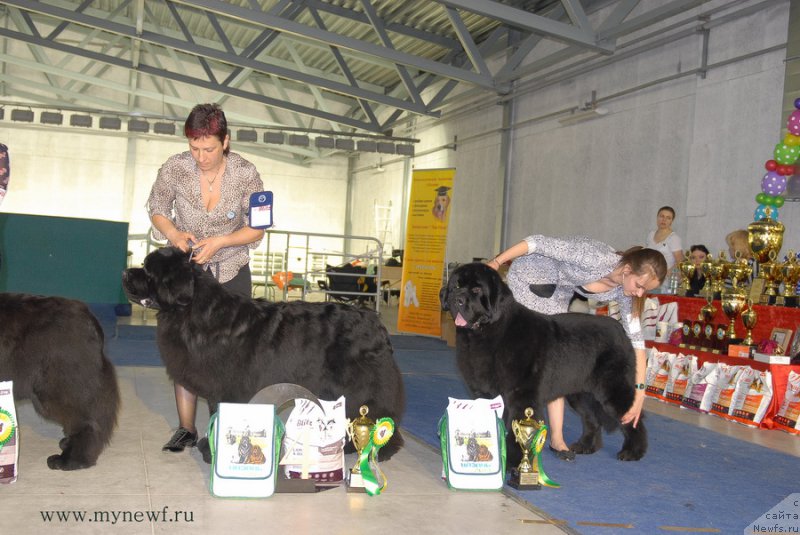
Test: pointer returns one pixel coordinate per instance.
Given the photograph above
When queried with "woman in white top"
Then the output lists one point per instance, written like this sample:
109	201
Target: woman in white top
665	241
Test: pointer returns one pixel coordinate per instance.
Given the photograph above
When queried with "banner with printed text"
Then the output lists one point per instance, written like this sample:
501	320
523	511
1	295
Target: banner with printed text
424	256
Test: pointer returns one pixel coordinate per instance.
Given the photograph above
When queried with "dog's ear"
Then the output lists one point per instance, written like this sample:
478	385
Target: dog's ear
443	297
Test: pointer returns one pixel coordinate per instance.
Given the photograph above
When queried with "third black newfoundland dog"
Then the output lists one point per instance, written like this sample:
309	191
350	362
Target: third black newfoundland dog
52	349
226	348
530	359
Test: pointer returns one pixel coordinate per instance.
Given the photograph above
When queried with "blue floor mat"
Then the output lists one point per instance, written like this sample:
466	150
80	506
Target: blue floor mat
691	478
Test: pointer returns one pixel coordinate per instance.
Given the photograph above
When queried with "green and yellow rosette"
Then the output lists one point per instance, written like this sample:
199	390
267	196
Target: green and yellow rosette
378	437
7	427
537	445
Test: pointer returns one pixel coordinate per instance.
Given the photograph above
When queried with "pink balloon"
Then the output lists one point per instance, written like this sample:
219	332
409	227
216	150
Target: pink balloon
773	184
793	124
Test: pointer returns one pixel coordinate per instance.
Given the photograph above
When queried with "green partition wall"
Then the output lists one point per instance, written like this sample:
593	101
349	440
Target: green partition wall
77	258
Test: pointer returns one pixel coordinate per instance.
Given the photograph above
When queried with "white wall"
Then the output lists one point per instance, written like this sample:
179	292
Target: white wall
698	144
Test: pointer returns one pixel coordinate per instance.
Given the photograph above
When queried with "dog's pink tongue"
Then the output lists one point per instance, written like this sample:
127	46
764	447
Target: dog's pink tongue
460	321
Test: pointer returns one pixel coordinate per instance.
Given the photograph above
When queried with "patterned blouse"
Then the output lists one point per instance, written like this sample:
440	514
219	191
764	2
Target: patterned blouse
569	263
176	195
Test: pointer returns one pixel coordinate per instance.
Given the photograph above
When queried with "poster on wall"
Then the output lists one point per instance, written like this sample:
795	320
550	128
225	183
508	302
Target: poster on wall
423	260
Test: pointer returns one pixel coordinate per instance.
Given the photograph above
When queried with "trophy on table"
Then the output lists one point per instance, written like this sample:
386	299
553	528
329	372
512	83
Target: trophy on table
530	434
790	273
772	274
733	301
740	270
749	319
715	272
687	268
765	238
358	431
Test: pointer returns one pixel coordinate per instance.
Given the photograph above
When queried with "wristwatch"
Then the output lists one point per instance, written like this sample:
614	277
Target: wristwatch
639	386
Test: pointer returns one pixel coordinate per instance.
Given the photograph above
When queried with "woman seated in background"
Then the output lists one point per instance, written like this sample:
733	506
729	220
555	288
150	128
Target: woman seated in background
698	254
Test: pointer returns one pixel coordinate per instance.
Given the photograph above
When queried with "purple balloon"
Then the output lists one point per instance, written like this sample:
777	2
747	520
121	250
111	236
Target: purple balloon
797	103
773	184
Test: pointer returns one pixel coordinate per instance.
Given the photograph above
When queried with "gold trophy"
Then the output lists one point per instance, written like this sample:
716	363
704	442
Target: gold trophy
740	270
765	238
790	273
526	475
358	431
687	267
772	274
733	300
715	272
749	319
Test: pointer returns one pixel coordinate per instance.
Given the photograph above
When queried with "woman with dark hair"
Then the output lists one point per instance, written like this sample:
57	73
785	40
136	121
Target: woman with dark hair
698	254
547	271
200	202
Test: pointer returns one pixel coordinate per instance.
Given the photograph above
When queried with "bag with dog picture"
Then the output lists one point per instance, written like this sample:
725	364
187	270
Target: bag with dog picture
245	441
473	439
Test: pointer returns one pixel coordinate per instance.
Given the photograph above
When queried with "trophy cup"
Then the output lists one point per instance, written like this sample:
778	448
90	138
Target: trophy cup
715	272
740	270
749	319
772	274
733	300
765	238
526	475
790	273
686	267
358	431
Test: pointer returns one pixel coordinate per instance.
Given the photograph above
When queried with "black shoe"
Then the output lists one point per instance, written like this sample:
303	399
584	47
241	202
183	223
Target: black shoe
181	439
564	455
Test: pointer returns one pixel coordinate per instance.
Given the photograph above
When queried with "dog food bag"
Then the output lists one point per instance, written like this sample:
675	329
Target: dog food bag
9	432
313	445
723	391
788	417
658	367
752	397
700	387
649	318
683	367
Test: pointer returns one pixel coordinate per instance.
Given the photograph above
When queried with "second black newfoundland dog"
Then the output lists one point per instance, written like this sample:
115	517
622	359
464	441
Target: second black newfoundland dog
226	348
531	358
52	349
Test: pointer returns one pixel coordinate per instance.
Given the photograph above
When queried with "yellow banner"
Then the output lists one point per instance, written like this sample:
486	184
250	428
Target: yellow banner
423	259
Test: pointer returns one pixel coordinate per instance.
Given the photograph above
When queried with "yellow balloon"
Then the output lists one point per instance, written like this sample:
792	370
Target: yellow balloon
791	140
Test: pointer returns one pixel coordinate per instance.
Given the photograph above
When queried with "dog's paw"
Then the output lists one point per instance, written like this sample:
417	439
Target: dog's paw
629	455
585	448
204	449
59	462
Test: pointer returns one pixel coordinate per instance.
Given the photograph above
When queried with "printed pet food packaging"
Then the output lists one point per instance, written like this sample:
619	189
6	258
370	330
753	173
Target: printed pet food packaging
314	441
726	385
659	365
752	397
700	387
683	367
9	452
788	417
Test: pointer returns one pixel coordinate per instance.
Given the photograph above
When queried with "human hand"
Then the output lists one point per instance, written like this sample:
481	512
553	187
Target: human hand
204	250
635	412
493	263
182	240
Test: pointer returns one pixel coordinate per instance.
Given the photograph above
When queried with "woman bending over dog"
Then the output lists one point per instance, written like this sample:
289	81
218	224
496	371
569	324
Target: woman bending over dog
545	274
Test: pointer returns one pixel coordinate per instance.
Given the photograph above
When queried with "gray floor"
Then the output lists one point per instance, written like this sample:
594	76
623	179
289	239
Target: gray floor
133	477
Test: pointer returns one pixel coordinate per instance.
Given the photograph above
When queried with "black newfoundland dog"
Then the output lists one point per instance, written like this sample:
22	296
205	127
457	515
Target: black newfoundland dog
226	348
52	349
530	359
